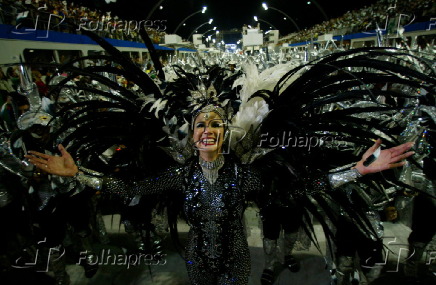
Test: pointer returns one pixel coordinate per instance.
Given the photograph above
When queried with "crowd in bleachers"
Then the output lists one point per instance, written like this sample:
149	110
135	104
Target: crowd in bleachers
24	13
383	13
49	15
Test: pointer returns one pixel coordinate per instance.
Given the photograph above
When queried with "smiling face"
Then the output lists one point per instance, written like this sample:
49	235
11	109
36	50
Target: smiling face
208	133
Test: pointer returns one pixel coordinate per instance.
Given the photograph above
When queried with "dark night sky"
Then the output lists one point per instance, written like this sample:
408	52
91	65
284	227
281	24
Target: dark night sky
233	14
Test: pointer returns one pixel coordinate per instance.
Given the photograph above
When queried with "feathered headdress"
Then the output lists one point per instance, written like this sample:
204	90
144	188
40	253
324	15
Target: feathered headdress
308	122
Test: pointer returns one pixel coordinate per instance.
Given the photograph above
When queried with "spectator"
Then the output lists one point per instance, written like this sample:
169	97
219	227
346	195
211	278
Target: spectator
37	78
12	75
5	83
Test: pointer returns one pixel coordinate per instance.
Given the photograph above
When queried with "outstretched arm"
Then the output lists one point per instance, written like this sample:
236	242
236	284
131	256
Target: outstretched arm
65	166
387	159
315	182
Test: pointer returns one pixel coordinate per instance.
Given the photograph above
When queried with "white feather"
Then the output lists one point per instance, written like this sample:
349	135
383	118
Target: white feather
251	113
158	106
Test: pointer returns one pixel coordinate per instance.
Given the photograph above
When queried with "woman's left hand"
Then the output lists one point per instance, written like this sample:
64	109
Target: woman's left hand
388	158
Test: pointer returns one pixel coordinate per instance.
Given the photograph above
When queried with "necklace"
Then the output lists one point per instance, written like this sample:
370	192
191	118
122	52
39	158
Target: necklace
211	168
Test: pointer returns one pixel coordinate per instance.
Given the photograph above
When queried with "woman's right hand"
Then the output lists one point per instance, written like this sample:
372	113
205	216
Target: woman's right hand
63	165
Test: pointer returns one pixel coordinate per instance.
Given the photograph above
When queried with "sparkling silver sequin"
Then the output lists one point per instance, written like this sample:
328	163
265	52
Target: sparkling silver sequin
44	192
340	178
93	182
90	171
211	168
217	250
376	223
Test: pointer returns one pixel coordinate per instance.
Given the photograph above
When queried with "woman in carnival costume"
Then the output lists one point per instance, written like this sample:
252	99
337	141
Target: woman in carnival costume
217	168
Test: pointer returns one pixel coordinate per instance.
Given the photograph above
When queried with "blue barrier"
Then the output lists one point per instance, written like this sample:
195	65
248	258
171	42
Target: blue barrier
421	26
10	32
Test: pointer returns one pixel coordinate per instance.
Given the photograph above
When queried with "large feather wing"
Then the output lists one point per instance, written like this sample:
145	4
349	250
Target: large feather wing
326	113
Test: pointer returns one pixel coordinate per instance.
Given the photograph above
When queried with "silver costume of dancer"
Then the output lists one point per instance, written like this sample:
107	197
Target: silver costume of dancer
217	250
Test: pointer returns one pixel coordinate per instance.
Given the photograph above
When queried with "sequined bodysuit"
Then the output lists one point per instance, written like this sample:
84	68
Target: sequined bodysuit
217	250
